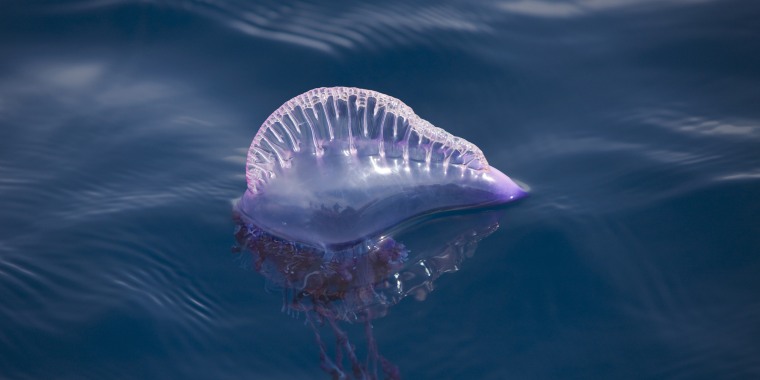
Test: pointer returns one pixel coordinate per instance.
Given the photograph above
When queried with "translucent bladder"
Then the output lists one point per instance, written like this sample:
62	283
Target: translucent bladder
334	166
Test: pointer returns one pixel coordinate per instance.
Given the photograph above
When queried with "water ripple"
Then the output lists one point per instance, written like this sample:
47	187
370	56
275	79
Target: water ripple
82	204
333	28
577	8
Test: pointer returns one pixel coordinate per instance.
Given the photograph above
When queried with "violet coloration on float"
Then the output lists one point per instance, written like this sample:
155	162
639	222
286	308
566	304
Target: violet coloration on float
353	203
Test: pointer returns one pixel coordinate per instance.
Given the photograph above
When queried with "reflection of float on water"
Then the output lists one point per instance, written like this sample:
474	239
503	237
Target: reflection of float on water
360	283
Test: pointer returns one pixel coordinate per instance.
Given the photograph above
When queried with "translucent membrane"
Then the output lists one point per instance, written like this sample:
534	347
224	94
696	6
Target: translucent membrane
335	166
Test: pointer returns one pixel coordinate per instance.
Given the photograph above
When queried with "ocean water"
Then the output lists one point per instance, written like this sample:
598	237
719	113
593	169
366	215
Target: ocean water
124	127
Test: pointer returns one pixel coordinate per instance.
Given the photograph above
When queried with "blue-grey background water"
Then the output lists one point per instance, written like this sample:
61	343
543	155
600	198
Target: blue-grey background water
124	127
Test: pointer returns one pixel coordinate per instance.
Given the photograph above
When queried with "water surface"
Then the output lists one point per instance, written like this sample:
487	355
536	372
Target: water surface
123	132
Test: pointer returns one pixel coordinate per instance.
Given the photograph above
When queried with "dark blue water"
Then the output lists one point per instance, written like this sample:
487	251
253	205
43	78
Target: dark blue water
124	127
